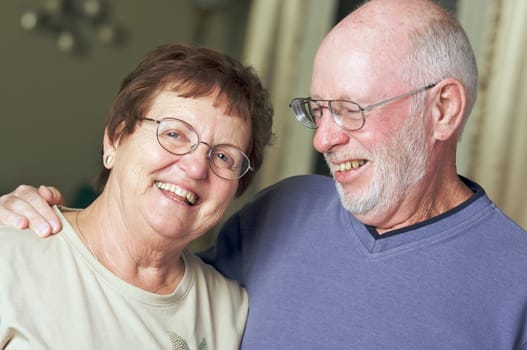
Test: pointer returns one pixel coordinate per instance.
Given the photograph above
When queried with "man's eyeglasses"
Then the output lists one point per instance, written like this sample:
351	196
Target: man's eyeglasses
348	115
179	137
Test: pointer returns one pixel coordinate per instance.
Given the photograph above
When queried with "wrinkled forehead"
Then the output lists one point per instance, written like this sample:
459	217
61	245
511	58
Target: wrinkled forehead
231	102
357	55
206	115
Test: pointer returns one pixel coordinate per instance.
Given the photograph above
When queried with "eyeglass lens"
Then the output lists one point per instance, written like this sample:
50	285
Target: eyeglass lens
346	114
303	113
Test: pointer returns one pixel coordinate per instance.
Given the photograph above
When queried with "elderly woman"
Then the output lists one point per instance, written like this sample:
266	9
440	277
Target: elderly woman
184	136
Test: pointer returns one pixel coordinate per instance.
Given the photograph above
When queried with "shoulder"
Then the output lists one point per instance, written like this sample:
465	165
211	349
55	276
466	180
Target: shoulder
299	187
298	192
302	182
20	248
225	297
290	199
289	203
490	231
12	237
27	245
506	227
220	302
488	219
208	278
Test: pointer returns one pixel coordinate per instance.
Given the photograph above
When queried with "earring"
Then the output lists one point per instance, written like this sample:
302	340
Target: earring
108	160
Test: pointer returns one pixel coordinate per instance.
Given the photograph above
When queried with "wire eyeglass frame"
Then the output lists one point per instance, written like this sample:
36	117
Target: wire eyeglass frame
226	161
356	118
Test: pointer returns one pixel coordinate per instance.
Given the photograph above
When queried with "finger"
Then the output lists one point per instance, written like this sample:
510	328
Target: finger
25	201
7	217
51	195
48	195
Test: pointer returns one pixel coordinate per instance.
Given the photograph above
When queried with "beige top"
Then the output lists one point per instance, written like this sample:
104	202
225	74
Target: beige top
55	295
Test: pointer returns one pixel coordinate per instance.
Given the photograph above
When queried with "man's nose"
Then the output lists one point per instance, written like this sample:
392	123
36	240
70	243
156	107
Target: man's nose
329	133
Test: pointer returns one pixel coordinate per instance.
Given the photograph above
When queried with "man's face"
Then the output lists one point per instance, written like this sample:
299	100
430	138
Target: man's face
399	162
377	166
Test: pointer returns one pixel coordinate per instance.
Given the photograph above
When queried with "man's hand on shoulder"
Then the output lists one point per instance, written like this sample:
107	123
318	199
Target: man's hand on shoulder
29	207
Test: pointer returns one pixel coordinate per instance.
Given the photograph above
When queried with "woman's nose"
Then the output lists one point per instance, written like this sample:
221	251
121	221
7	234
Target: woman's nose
196	163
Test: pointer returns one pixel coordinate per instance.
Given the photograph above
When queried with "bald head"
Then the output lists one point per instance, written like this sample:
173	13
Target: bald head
400	12
385	23
413	42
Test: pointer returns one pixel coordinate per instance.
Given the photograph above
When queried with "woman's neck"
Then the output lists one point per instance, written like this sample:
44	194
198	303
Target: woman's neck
139	258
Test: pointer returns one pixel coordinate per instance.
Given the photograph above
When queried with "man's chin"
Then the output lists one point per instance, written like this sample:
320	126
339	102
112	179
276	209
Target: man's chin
356	203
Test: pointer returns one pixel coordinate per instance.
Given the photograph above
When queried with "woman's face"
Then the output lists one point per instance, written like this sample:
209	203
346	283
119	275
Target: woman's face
177	196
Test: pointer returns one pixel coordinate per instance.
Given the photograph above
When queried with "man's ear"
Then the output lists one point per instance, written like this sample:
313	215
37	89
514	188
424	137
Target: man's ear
448	108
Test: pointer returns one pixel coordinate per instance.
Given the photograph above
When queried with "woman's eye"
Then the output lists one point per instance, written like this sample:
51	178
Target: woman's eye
223	157
173	134
223	160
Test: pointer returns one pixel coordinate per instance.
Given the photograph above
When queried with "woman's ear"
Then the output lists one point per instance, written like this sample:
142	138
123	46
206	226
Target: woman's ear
448	108
108	147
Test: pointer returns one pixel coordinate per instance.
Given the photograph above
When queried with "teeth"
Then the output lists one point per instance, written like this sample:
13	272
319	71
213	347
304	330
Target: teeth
178	191
353	164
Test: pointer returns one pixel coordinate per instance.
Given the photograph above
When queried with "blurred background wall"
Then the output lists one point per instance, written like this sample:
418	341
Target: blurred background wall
55	93
54	97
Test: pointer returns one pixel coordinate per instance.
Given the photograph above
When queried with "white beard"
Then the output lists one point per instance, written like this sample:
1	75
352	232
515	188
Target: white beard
398	164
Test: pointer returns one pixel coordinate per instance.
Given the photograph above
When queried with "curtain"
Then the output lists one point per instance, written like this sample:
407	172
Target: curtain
495	142
281	42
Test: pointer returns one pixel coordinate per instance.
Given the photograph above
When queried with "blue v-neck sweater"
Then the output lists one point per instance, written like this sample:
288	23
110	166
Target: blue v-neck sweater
319	279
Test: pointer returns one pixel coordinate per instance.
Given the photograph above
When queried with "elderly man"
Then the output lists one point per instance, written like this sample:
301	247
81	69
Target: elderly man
404	253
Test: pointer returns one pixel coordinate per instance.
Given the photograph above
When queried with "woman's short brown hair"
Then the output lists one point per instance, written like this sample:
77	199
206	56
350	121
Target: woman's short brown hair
194	72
